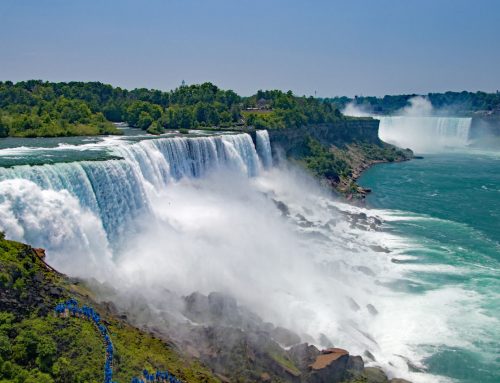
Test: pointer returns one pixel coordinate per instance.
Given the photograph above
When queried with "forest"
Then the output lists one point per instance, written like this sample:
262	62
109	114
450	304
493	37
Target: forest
37	108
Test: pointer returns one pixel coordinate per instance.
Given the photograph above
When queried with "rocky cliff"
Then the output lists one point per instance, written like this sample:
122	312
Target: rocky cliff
337	153
293	141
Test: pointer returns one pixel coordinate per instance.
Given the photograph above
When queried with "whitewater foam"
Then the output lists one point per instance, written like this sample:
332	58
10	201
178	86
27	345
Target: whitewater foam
199	214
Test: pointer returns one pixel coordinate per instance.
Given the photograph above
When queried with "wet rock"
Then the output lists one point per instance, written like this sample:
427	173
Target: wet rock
369	356
329	367
374	375
223	306
282	207
366	270
303	355
371	309
379	249
353	305
398	380
355	365
197	307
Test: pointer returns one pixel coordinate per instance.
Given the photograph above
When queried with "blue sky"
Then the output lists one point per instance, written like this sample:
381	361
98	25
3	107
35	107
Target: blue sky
333	47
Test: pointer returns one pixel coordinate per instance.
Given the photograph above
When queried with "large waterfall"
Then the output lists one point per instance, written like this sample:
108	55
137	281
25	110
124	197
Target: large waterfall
172	215
425	134
117	191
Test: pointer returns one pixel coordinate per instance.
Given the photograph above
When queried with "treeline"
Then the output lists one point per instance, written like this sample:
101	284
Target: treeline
278	110
38	108
459	103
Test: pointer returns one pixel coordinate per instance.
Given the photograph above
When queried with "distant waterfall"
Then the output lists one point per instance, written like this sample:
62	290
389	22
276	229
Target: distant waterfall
425	134
119	190
264	148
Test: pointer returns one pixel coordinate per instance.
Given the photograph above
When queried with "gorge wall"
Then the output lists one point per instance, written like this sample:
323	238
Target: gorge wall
293	141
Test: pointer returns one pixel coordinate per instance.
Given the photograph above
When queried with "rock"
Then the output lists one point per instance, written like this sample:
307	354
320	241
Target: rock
374	375
282	207
265	377
40	253
223	306
369	355
371	309
366	270
379	249
330	366
197	307
398	380
285	337
355	365
353	305
303	355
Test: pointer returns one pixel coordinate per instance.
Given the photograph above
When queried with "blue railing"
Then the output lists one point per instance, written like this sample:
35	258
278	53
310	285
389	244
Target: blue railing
71	308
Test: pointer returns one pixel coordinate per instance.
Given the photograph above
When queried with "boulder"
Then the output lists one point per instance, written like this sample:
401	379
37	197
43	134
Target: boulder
303	355
374	375
329	367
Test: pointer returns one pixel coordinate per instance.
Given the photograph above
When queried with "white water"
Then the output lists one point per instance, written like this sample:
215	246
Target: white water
186	214
263	145
425	134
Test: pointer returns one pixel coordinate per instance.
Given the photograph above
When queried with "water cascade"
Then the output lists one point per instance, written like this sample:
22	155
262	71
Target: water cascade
175	215
263	145
425	134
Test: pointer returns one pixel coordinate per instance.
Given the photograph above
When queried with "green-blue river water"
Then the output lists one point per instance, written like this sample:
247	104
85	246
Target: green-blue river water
448	208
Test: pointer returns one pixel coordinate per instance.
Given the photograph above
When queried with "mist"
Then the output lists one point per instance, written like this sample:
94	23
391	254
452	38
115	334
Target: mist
276	241
420	127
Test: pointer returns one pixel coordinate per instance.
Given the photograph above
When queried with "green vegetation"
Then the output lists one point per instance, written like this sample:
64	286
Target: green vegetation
341	166
324	163
459	103
37	346
278	110
37	108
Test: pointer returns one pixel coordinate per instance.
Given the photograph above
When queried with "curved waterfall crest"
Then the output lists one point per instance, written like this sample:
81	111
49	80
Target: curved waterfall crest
118	190
425	134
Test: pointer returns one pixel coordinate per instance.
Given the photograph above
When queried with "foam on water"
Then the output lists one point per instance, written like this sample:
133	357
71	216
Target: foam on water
199	214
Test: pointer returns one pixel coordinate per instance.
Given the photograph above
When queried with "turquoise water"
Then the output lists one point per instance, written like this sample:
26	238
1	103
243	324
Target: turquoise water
447	207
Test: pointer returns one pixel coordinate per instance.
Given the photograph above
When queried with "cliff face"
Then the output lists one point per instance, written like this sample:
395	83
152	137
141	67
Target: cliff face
337	153
294	141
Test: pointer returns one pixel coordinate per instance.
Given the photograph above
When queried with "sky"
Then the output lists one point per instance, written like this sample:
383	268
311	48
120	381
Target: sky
323	47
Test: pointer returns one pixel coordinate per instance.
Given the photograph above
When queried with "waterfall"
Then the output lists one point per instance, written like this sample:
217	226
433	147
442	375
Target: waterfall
117	191
264	148
425	134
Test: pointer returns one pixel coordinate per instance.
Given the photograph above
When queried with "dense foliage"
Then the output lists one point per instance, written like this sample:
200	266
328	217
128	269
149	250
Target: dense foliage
38	108
276	110
324	163
37	346
459	103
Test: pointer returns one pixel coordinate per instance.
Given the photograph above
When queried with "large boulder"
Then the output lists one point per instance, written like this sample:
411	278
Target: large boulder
374	375
334	365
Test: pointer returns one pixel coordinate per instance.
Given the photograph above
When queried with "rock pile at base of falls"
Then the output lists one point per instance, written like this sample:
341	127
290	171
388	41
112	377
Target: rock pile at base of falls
239	346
